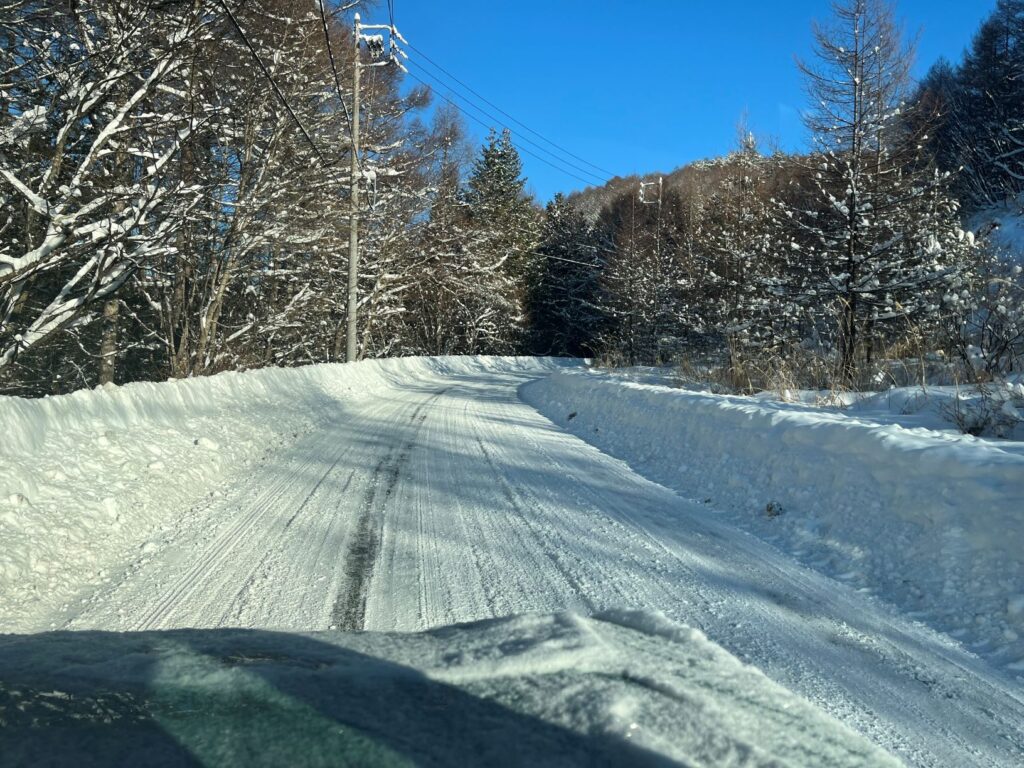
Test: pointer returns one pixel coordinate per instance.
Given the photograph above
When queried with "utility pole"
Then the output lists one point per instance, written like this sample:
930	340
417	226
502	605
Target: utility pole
379	58
353	230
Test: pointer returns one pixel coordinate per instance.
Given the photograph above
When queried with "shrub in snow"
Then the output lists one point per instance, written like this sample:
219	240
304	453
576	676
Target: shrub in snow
987	410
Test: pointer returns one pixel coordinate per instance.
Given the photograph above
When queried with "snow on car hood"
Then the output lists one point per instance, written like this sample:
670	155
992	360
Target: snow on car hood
621	688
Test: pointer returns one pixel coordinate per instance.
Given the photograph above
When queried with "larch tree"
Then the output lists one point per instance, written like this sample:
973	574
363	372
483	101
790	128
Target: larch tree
881	223
989	115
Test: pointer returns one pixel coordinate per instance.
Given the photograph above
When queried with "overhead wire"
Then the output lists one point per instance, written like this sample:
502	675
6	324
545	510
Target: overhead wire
273	84
309	139
522	139
524	150
506	114
337	82
391	17
330	57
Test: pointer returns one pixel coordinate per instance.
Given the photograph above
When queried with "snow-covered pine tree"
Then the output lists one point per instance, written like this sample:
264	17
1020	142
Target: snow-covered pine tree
880	235
641	282
565	316
441	311
738	232
504	232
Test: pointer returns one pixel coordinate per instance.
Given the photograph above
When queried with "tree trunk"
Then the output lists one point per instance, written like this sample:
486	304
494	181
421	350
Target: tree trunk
108	347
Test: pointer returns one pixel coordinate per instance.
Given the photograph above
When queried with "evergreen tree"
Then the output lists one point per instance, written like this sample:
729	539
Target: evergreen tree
641	282
565	317
441	310
504	231
740	233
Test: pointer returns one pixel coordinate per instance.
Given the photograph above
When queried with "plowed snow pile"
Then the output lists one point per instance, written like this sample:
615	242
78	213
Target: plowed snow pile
931	522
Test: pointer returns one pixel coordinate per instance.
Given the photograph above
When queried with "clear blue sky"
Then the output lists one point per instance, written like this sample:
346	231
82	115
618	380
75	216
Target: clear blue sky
636	87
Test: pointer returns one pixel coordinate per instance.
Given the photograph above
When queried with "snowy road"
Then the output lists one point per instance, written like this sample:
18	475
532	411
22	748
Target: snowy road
449	500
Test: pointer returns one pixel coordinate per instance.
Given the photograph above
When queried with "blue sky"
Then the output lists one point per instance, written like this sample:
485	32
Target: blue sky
642	86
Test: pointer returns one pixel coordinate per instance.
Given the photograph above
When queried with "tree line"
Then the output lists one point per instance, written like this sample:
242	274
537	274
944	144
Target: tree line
175	202
876	244
169	211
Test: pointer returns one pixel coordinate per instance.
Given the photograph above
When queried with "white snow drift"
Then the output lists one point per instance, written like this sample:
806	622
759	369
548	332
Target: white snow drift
421	494
930	521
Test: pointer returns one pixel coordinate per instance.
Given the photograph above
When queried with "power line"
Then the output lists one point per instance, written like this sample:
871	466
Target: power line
330	56
519	147
494	106
309	139
273	84
481	110
337	80
522	149
391	11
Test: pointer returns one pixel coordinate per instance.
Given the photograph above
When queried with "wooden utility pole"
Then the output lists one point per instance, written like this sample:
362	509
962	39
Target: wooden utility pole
351	351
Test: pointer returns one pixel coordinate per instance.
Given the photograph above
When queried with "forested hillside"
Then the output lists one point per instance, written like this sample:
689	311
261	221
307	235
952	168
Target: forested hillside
883	241
176	197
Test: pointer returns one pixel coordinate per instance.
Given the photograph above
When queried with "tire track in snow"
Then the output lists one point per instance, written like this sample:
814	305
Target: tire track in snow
541	520
437	576
788	643
231	538
349	611
526	517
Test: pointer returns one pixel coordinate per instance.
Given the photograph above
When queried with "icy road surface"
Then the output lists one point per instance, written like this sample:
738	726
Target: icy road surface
449	500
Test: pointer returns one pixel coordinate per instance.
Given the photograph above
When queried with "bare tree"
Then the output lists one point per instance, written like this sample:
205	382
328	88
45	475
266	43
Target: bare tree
883	228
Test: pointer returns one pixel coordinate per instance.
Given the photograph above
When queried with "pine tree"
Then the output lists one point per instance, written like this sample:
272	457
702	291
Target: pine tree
441	312
640	284
739	233
565	316
503	236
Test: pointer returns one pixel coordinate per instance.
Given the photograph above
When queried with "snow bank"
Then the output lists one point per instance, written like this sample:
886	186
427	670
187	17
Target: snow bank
624	689
88	479
930	521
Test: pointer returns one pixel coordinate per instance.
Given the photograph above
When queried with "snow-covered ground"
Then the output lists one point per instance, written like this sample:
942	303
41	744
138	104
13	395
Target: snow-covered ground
884	495
93	480
411	496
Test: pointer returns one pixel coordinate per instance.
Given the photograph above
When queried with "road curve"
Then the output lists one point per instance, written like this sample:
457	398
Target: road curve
449	500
